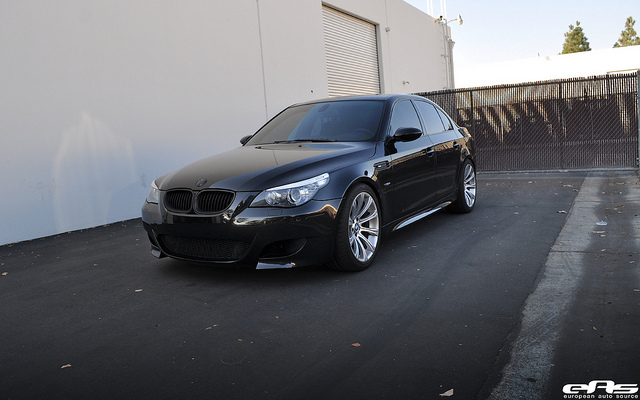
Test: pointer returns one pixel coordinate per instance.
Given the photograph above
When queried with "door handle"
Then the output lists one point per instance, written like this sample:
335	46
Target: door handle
429	151
456	145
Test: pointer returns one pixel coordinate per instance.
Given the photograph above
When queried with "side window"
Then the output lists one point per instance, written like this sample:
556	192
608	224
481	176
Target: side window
445	119
404	116
432	121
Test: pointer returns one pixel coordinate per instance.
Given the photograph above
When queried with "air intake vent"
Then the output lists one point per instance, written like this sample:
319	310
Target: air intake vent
202	249
213	201
179	201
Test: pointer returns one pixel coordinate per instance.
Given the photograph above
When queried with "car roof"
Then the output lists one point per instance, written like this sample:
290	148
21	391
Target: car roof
379	97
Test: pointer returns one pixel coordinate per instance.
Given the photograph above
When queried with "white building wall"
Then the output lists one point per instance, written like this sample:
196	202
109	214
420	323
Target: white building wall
416	49
99	98
293	48
411	49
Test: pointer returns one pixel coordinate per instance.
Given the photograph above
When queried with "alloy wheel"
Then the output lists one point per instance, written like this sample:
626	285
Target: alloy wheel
469	185
364	227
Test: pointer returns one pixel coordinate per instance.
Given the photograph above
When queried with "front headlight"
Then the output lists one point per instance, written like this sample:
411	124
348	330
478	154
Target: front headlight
154	194
292	195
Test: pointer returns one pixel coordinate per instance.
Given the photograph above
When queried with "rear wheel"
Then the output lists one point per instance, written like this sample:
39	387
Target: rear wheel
359	230
466	199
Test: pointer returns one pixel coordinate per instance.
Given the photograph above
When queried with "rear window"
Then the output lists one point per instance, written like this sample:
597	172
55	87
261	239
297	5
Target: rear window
430	117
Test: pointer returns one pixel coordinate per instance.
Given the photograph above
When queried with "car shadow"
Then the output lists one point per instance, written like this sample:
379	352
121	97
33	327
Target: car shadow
183	270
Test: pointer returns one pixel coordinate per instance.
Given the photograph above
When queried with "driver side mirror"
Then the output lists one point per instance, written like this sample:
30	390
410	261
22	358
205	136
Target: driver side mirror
245	139
407	134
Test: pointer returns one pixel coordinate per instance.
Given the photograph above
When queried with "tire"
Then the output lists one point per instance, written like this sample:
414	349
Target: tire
467	190
359	230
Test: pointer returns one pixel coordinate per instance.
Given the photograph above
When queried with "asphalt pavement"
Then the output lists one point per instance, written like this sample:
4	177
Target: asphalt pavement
538	288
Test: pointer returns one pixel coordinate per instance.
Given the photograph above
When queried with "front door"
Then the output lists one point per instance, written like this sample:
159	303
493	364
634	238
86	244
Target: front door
413	163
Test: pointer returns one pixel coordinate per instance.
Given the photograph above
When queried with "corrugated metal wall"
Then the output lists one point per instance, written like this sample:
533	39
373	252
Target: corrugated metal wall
351	49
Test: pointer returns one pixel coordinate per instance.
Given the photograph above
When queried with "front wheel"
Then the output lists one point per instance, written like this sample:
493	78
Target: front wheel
466	199
359	230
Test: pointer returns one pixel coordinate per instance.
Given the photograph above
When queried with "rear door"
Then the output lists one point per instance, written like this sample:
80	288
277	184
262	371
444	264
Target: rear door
413	163
446	141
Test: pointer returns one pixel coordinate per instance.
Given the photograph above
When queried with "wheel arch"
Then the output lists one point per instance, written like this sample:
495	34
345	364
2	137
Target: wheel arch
372	185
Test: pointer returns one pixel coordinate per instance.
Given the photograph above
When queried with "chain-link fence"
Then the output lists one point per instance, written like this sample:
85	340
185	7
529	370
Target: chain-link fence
581	123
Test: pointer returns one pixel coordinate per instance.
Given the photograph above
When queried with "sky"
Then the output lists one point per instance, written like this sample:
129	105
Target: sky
496	31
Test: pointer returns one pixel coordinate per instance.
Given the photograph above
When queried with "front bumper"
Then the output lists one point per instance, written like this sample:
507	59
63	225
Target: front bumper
242	236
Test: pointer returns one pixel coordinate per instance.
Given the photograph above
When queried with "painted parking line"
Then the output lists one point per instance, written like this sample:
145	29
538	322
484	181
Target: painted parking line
532	353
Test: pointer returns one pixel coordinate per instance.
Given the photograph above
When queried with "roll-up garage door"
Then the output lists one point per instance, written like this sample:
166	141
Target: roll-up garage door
351	48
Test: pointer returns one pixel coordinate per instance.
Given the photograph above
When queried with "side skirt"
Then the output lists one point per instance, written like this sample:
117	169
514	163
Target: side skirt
421	215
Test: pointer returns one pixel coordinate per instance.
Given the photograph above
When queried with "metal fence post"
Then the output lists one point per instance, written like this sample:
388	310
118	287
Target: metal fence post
563	127
473	113
638	116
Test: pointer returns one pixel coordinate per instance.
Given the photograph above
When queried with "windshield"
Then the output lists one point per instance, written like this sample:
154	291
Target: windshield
333	121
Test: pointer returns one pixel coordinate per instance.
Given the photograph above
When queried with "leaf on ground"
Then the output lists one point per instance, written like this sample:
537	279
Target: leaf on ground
356	345
562	212
448	393
5	273
66	366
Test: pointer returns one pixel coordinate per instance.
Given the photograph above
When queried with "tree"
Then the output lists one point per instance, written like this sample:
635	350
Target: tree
628	37
575	41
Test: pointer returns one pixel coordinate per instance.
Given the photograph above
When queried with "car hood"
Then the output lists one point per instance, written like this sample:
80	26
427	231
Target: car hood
255	168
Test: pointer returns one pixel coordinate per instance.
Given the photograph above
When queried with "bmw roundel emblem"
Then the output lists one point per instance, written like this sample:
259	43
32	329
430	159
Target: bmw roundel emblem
201	182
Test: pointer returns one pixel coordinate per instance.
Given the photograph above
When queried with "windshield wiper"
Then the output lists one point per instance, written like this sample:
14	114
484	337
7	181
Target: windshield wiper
303	140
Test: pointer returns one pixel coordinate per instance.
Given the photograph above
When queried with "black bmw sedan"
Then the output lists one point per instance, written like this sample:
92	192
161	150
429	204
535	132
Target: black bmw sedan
321	182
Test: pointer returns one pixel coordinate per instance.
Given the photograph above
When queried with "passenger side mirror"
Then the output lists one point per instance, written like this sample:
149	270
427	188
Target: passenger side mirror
245	139
407	134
